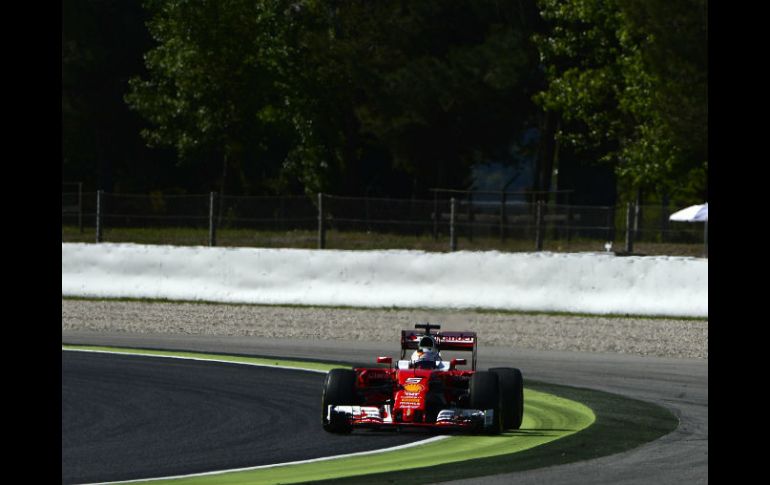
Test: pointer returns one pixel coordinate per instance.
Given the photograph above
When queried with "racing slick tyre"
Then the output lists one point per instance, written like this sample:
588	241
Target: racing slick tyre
339	389
485	394
511	396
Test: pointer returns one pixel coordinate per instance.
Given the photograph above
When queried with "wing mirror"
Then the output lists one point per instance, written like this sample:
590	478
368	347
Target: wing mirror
455	362
384	360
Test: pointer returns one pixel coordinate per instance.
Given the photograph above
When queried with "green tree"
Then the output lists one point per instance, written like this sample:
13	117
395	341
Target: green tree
450	85
338	96
422	89
676	56
102	46
211	89
615	81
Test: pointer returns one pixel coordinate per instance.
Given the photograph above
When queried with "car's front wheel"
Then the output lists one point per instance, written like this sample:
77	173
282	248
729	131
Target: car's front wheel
511	396
339	389
485	394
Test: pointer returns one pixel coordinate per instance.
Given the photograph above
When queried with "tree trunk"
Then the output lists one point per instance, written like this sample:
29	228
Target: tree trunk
222	187
546	155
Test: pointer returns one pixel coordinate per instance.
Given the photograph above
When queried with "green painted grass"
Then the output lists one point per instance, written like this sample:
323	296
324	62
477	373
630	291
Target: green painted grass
547	418
237	359
621	424
483	240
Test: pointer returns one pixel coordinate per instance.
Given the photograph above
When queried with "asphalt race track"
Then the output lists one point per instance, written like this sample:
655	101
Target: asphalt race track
115	408
680	385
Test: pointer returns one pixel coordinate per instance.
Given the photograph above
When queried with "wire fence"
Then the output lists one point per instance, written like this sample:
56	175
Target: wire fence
335	222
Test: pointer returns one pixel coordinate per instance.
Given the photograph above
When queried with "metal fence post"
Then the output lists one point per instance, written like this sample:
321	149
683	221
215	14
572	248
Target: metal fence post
502	215
637	220
664	222
212	223
539	230
452	234
436	216
321	223
629	227
470	216
99	215
80	207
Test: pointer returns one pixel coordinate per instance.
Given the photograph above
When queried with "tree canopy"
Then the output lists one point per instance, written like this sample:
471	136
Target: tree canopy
338	96
629	78
384	98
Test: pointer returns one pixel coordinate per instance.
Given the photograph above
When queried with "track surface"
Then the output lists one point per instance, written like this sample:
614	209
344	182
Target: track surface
127	417
680	385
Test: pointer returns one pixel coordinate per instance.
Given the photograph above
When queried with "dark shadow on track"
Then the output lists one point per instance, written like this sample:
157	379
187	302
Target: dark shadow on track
621	424
128	417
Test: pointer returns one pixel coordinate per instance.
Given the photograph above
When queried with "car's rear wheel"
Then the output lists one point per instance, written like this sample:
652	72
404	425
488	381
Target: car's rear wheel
485	394
339	389
511	396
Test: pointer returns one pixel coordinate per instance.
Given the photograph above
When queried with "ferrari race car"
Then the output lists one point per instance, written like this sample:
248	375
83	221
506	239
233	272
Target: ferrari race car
425	390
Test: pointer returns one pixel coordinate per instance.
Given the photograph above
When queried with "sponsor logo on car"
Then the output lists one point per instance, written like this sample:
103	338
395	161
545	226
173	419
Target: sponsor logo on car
410	405
451	338
413	388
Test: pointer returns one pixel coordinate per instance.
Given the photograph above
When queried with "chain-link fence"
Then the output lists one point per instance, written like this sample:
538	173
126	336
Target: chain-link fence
328	221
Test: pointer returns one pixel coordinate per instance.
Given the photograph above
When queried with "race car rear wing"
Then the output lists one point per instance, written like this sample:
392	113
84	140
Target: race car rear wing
456	341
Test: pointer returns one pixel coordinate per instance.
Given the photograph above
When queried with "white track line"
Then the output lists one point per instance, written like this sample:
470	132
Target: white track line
261	467
200	359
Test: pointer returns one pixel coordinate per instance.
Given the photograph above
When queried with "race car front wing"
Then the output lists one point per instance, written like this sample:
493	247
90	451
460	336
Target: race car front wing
382	417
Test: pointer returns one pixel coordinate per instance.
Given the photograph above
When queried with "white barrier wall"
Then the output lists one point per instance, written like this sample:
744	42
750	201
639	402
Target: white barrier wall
578	282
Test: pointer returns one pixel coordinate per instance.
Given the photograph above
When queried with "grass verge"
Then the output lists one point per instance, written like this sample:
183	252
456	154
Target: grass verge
559	427
369	240
621	424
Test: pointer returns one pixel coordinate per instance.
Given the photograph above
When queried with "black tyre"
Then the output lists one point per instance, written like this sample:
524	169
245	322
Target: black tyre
339	389
485	394
511	396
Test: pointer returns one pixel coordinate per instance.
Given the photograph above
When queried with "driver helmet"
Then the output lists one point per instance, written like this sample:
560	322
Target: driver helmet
427	344
427	350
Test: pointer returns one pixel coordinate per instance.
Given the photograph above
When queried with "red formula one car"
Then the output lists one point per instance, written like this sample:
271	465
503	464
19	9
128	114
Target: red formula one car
425	390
